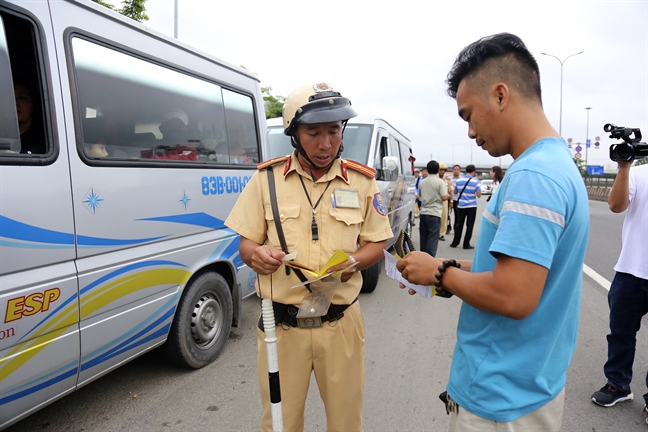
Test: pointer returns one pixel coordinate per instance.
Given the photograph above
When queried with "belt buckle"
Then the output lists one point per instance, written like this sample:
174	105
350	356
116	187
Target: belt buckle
310	322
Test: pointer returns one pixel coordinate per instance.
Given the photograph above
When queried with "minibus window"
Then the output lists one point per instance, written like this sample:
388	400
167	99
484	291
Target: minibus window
394	148
131	109
241	128
405	162
9	135
22	129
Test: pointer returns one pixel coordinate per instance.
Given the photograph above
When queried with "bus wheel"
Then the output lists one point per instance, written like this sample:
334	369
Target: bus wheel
201	324
370	277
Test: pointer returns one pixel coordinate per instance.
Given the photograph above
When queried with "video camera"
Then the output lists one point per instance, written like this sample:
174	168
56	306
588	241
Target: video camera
631	149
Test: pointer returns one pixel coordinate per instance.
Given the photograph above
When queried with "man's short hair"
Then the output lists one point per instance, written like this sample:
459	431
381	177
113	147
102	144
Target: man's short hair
470	169
433	167
502	57
457	165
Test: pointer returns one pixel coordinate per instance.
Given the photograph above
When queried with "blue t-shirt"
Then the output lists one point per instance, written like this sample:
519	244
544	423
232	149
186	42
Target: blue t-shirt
503	368
468	197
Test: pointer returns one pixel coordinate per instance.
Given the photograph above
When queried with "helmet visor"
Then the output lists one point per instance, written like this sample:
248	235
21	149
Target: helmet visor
324	111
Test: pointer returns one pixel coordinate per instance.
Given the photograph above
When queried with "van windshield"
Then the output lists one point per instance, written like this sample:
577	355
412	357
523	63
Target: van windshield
356	142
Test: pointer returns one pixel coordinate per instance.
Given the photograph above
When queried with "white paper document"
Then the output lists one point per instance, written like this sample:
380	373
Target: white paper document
392	272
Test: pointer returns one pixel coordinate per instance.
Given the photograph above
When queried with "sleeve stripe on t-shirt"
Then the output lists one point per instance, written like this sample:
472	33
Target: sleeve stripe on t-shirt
536	211
491	217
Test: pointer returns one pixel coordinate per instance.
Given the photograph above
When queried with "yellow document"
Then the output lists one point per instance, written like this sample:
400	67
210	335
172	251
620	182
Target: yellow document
338	257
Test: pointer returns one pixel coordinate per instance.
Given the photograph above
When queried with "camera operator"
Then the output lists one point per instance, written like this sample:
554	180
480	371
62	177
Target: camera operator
628	296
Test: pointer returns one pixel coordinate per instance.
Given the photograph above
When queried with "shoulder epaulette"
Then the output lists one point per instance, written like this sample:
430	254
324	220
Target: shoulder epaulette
356	166
274	161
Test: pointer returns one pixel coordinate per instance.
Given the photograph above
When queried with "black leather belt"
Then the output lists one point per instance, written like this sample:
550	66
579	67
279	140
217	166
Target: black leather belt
287	314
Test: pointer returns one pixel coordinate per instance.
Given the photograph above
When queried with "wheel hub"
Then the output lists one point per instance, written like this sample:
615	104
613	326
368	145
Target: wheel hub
206	321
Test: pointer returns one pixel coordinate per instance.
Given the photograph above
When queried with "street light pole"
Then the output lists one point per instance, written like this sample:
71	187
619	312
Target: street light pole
562	62
453	146
175	19
587	144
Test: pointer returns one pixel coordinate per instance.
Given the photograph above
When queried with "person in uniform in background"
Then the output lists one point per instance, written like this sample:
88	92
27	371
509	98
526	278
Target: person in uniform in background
326	204
456	174
417	180
447	204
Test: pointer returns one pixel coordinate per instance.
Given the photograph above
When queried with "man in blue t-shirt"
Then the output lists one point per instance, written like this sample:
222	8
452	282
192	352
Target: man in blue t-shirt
468	189
521	296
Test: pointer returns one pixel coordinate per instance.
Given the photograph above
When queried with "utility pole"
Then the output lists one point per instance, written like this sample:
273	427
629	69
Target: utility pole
175	20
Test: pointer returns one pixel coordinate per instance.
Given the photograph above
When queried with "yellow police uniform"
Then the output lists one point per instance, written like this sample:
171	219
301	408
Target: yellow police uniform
444	214
335	351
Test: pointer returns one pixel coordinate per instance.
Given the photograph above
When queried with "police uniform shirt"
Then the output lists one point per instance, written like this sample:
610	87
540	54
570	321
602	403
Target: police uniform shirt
363	221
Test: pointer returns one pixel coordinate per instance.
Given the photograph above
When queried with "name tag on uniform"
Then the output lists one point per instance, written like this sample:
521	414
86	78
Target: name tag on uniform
347	198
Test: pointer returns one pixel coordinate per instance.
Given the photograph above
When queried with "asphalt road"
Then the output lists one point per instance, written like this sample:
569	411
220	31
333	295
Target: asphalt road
409	345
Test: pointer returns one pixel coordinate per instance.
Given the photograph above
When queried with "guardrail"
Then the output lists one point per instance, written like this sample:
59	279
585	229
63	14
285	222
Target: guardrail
597	193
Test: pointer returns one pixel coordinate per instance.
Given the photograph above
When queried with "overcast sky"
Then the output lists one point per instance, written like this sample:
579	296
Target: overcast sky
391	58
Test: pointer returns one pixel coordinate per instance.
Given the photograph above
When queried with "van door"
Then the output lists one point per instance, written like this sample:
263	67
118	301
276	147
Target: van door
39	333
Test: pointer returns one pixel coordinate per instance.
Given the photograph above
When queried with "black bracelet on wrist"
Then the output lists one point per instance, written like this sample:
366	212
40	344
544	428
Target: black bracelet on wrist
439	277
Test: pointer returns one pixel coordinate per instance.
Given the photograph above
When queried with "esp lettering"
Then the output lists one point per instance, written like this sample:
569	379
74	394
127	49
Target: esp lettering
30	305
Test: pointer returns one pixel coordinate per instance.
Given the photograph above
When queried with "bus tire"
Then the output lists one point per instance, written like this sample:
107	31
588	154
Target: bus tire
370	277
201	324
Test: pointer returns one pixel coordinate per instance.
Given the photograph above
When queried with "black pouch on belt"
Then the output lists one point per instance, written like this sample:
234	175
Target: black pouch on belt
279	309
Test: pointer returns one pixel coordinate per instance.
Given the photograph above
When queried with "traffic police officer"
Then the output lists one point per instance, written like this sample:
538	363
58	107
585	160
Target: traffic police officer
324	204
447	205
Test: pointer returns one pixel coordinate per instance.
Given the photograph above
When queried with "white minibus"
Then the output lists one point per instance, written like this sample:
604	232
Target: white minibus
374	142
122	152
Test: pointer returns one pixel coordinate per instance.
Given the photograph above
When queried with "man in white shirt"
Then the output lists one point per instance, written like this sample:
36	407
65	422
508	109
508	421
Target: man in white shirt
628	296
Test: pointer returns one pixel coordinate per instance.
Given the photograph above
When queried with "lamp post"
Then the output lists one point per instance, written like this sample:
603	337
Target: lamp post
175	19
587	141
453	146
562	62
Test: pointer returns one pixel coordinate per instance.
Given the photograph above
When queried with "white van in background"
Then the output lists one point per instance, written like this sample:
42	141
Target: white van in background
371	141
112	204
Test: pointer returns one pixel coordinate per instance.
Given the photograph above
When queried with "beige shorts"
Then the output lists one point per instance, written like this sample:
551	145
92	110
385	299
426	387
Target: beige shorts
547	418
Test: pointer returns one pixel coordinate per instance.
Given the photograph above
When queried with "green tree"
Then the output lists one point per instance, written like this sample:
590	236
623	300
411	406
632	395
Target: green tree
133	9
580	164
641	161
273	104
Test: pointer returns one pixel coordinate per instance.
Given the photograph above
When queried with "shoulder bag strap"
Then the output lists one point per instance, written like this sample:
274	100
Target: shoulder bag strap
280	233
462	190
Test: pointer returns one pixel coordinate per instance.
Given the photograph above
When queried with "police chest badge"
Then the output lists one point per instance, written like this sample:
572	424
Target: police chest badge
378	204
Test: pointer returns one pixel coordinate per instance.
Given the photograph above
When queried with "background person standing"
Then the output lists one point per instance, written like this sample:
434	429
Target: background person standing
445	216
468	189
434	192
497	175
417	180
628	296
456	174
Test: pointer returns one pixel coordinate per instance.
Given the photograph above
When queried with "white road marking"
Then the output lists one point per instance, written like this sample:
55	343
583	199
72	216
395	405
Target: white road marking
597	277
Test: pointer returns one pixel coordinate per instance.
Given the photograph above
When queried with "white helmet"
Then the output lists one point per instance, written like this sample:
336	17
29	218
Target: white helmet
315	103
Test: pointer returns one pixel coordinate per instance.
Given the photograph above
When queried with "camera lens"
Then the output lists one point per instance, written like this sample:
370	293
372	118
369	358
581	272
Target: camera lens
623	152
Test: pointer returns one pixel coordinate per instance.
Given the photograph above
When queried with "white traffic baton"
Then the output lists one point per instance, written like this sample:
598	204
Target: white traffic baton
267	312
